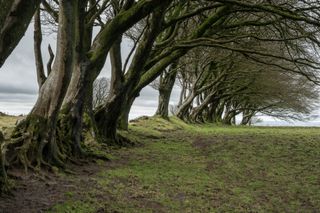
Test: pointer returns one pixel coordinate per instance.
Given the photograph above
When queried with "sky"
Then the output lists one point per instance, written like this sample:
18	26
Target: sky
19	88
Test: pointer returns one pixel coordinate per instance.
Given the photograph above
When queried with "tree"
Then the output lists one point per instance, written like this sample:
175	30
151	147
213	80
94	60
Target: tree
100	91
167	79
240	23
247	87
35	138
107	116
14	20
81	84
51	133
166	31
15	17
147	63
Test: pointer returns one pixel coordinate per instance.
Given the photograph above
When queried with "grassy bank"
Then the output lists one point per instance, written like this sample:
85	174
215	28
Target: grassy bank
7	123
203	168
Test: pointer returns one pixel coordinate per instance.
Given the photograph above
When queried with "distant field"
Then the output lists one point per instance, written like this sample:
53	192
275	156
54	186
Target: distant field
182	168
8	122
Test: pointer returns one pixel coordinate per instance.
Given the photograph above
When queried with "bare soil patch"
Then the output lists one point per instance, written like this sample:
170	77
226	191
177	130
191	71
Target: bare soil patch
38	192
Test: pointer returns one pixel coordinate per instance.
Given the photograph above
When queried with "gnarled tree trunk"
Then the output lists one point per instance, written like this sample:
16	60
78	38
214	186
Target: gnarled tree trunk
34	139
108	115
70	120
91	68
165	88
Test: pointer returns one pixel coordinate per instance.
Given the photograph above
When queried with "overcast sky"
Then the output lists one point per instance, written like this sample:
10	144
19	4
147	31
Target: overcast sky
18	83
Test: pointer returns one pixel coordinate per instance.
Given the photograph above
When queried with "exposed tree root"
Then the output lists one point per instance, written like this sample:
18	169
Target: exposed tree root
33	145
124	141
4	186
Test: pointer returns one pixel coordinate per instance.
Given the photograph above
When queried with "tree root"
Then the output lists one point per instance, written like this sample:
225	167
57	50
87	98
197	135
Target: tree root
33	145
97	156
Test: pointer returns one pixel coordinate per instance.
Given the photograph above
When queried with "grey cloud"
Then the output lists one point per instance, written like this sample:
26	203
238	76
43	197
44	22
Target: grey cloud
14	89
18	97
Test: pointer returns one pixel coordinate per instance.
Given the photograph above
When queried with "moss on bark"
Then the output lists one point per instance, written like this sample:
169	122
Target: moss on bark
3	174
33	144
69	132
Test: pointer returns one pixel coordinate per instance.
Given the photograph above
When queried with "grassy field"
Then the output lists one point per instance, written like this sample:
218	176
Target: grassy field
7	123
203	168
175	167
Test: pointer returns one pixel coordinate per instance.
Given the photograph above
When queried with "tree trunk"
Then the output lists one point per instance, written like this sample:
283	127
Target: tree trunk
3	174
89	69
37	37
217	117
227	115
247	117
165	88
34	138
183	94
182	111
15	17
124	117
107	116
196	114
79	91
70	120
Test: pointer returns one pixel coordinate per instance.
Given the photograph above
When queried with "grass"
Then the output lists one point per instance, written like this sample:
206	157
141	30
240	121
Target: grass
7	123
230	169
205	168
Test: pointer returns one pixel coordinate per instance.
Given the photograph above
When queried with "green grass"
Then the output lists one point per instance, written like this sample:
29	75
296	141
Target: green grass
205	168
7	124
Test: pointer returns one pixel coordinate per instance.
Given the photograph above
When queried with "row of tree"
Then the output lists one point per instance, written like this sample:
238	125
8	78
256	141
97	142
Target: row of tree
231	57
217	89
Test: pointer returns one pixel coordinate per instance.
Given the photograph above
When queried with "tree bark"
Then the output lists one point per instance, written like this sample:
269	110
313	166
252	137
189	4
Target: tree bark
183	110
124	117
79	91
41	78
247	117
15	17
3	174
217	117
165	88
108	115
34	140
196	114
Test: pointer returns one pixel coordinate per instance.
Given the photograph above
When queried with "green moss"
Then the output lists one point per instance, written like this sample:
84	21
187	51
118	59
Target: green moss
69	194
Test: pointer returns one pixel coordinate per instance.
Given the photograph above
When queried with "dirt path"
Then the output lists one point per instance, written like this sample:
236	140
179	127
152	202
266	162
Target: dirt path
37	193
